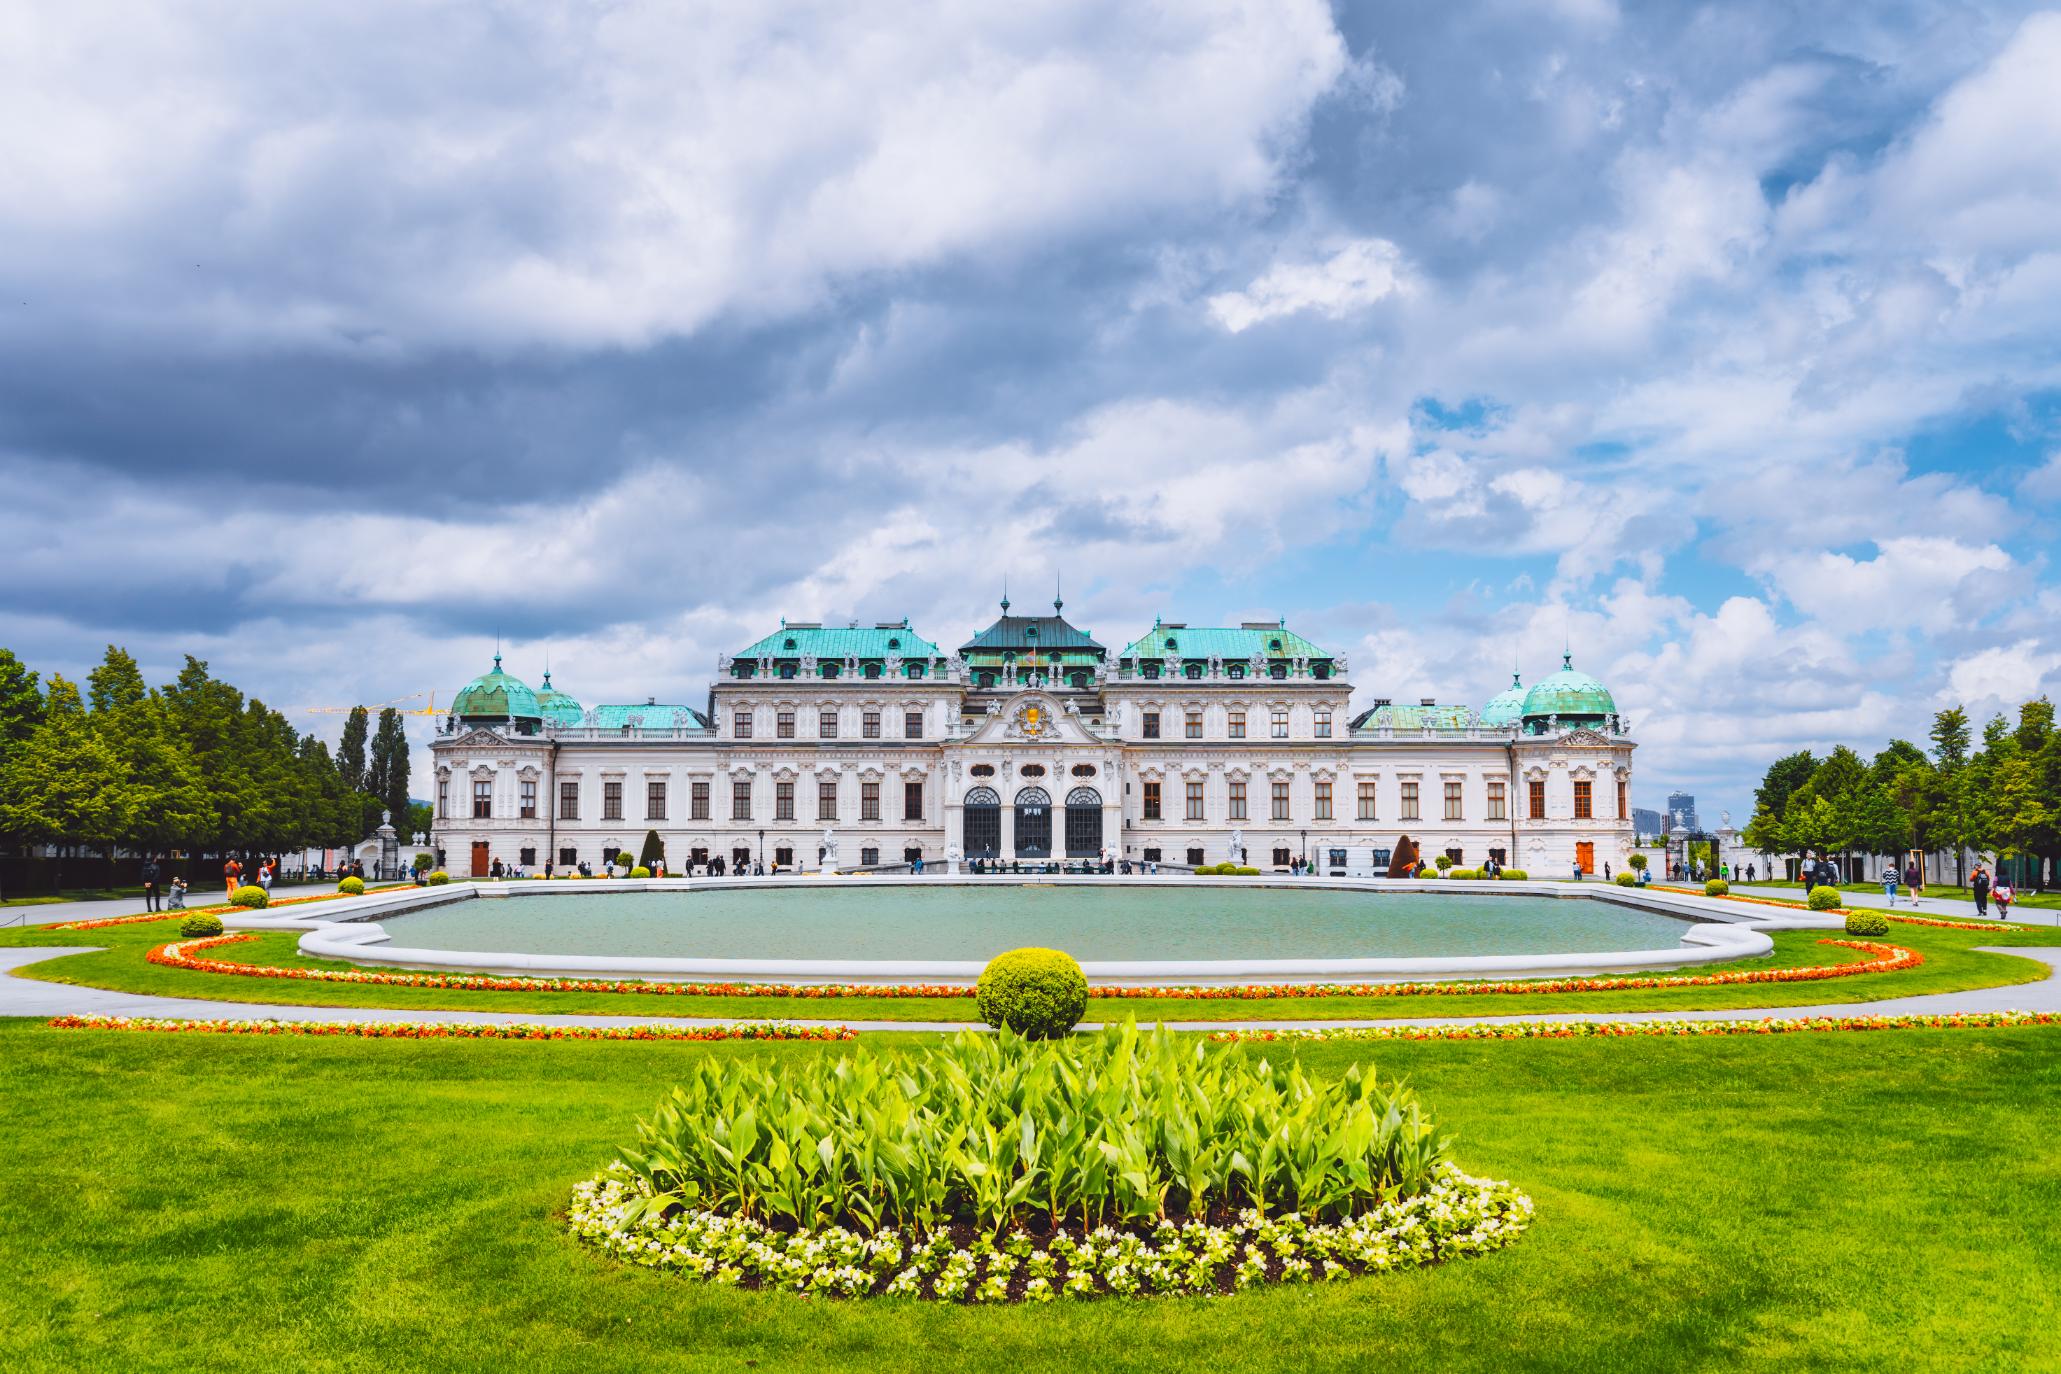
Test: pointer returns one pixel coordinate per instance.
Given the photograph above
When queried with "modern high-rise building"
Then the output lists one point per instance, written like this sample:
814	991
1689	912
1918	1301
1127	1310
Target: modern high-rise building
1682	807
1645	822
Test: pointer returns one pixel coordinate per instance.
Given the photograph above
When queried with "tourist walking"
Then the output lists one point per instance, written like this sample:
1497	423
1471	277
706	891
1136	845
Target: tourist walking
1978	884
2005	895
265	876
150	899
1889	881
232	874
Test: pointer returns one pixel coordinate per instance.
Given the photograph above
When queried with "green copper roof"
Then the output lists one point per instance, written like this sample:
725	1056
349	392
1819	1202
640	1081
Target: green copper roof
650	715
558	708
1568	694
1417	718
1198	641
1507	706
1027	634
882	641
496	696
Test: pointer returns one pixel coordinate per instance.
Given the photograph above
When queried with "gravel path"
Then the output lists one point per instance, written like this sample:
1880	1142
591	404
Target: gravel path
31	997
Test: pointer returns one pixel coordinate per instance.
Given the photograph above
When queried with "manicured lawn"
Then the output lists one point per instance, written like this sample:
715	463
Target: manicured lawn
1837	1202
1943	891
1951	964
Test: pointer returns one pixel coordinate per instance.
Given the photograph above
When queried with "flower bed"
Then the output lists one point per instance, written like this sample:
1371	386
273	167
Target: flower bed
1456	1216
180	954
218	909
994	1168
1620	1030
1934	921
451	1030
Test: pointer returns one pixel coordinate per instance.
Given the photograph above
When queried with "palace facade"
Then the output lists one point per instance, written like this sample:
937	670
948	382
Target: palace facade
1033	742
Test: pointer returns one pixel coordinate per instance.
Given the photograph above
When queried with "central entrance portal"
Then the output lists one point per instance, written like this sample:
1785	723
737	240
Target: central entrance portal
1033	823
983	837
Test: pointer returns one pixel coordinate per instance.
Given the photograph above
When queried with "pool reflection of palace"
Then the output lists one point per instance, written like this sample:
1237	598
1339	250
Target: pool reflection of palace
1034	742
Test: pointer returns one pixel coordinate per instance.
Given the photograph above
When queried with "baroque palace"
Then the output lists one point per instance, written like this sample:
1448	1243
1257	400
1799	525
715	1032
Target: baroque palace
869	747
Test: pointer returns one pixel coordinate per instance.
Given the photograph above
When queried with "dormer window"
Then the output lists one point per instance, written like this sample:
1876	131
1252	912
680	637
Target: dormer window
1152	670
894	643
873	670
1274	645
787	670
1194	670
1236	670
789	644
1279	670
915	670
1172	644
830	670
1031	634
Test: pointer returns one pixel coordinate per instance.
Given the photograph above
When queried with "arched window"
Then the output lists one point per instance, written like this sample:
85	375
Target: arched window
1083	821
982	836
983	796
915	670
1033	823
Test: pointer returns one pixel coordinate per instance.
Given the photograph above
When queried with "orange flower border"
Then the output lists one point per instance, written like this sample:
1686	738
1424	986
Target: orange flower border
1620	1030
180	954
1782	905
451	1030
219	909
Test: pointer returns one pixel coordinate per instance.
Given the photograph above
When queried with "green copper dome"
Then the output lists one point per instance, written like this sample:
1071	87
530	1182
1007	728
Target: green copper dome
557	707
1505	707
1575	698
496	696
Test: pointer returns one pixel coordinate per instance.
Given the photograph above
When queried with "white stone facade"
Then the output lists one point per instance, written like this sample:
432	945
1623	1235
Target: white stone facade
1165	768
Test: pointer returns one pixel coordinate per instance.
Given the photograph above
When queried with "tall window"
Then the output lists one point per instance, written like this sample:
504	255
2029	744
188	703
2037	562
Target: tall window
826	800
740	799
1280	801
741	727
912	725
1280	722
783	801
1195	801
444	797
869	725
1584	801
783	725
1238	725
1453	803
568	801
611	801
697	801
1151	801
1497	802
1536	807
1191	728
826	723
1409	801
482	799
1367	800
1152	725
1323	723
654	801
1623	811
529	799
912	801
869	801
1323	800
1237	799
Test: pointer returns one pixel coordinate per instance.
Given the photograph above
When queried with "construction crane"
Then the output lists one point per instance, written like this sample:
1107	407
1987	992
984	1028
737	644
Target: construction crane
429	710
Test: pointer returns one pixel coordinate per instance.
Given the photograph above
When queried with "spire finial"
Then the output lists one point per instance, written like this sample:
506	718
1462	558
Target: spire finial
1005	593
1058	603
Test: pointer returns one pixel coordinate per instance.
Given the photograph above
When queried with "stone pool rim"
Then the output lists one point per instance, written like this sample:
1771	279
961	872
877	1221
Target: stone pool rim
1716	935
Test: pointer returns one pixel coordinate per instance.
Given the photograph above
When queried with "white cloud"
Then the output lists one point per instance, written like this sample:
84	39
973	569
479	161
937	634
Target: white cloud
1355	276
1921	582
2002	676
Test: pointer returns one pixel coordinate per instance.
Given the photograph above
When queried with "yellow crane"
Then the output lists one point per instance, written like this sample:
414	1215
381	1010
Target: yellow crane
429	710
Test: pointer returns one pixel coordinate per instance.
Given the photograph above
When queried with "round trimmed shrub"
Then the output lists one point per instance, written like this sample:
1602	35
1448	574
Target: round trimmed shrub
353	886
1246	872
1824	899
1716	887
254	898
1860	922
1038	993
1637	861
200	923
640	871
1627	880
1443	862
439	878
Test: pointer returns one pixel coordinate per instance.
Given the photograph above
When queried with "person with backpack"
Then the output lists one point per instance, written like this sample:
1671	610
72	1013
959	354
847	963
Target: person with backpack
1978	883
150	872
232	875
2005	895
1889	882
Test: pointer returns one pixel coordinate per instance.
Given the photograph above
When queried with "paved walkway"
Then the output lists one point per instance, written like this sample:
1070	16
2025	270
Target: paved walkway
1952	908
31	997
55	913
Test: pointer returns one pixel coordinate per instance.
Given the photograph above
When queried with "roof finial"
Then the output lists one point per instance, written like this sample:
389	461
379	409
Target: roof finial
1005	593
1058	604
497	651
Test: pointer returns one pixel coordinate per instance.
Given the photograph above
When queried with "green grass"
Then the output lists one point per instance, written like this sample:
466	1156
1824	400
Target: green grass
1945	892
1950	965
1838	1202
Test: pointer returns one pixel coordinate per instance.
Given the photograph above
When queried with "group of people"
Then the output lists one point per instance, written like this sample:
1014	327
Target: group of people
1986	888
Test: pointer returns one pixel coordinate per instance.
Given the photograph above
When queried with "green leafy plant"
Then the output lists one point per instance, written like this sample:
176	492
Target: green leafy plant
1514	875
1824	899
1627	880
995	1131
424	860
1638	861
1443	862
353	886
1039	993
200	924
251	897
1861	922
439	878
640	872
1716	887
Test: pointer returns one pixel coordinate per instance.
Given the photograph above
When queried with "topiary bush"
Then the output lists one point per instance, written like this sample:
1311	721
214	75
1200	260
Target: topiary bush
1627	880
1464	874
439	878
353	886
1244	872
199	924
1824	899
1864	922
1038	993
1637	861
253	898
1443	862
1514	875
640	872
1716	887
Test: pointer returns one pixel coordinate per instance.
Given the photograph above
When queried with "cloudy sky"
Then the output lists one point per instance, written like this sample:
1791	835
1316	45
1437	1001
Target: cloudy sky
1722	343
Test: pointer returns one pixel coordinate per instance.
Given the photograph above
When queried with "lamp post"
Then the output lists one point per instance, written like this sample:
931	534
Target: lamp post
762	849
1305	851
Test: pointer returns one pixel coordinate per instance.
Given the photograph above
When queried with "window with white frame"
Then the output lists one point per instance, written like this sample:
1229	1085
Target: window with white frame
1369	793
1280	722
